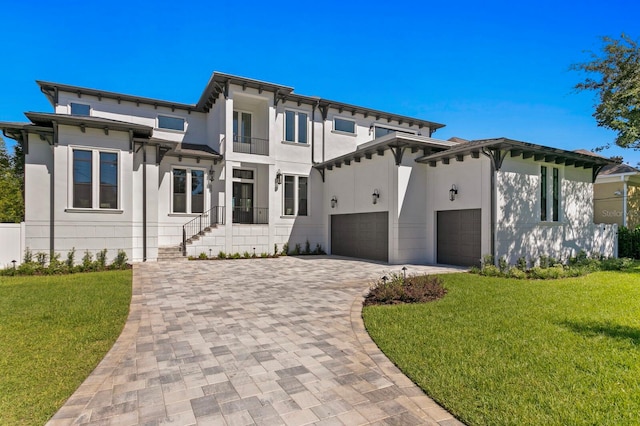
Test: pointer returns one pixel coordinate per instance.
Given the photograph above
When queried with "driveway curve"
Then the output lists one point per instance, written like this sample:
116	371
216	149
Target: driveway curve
244	342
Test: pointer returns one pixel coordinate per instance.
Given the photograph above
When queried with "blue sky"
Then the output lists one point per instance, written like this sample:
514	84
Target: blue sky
485	69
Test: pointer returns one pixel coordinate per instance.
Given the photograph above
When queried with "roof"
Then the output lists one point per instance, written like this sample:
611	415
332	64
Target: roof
47	120
218	84
618	169
516	148
396	142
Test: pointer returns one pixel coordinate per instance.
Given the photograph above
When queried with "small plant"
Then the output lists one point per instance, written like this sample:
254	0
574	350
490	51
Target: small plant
236	256
246	255
521	263
296	250
55	266
41	259
487	260
395	289
264	255
285	249
87	261
101	259
307	247
222	255
503	266
275	249
120	262
71	259
202	256
28	256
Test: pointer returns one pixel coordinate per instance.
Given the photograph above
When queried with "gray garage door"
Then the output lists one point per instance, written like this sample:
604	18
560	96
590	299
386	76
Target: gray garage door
362	235
459	237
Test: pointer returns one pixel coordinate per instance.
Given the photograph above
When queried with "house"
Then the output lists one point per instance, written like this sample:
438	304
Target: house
616	196
253	165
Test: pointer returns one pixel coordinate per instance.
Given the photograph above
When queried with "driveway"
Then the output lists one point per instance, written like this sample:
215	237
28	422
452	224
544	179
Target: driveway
243	342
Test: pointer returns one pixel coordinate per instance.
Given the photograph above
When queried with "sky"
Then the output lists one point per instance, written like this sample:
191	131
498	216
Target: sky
484	69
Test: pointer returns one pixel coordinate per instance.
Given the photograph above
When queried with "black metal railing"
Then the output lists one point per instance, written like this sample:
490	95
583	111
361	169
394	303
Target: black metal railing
201	224
250	145
254	215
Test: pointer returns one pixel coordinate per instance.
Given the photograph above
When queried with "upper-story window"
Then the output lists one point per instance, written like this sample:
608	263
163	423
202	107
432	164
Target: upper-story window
343	125
295	126
380	131
171	123
95	187
80	109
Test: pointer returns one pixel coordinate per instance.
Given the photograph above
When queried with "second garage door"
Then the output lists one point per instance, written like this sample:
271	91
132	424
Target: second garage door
459	237
361	235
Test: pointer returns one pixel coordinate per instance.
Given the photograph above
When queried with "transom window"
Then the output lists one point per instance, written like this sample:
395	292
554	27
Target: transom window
343	125
380	131
188	190
171	123
296	191
95	187
295	126
80	109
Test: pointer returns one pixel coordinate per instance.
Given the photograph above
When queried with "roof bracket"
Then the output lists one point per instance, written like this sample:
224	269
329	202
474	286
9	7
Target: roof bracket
161	151
398	152
321	171
496	155
595	171
106	130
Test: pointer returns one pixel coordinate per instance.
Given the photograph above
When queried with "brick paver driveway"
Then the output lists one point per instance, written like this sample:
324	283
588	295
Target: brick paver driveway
243	342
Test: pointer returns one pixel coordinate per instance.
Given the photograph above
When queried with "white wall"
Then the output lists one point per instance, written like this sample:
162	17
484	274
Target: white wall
12	244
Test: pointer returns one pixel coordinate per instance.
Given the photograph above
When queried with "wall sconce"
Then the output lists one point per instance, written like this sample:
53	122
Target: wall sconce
371	128
279	177
453	192
618	193
375	196
211	173
334	202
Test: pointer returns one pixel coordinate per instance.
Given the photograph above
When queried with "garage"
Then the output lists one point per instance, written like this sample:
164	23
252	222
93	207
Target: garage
459	237
361	235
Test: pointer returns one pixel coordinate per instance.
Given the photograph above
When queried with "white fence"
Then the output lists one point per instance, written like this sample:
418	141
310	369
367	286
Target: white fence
11	244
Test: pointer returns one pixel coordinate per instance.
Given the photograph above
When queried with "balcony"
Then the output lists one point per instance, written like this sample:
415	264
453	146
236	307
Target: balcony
250	145
251	215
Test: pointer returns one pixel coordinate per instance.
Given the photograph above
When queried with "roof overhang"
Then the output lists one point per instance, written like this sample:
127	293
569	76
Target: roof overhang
498	148
51	90
396	142
105	124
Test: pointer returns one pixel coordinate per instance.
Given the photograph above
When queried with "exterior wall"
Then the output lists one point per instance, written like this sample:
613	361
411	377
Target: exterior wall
472	177
12	244
608	207
521	233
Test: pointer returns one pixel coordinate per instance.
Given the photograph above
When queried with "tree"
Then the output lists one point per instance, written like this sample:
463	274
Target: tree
614	75
11	201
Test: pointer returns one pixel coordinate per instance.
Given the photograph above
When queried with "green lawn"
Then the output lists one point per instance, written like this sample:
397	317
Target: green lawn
54	330
499	351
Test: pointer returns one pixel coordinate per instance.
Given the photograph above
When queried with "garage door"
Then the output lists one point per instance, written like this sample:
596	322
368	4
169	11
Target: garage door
361	235
459	237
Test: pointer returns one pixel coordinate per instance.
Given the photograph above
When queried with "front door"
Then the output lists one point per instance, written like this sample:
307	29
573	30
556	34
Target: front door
242	202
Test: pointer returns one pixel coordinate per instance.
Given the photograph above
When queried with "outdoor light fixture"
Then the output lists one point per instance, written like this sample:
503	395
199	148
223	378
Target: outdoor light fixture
618	193
334	202
279	177
375	196
211	173
453	192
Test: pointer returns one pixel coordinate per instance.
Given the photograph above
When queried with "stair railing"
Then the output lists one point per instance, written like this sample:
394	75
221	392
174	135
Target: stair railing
200	224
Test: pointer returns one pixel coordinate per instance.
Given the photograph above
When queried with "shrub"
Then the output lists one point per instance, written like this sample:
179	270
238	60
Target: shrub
41	259
246	255
318	249
71	259
101	260
28	256
296	250
415	289
487	260
521	263
87	262
202	256
222	255
263	255
307	247
490	271
275	249
236	256
120	262
285	249
613	264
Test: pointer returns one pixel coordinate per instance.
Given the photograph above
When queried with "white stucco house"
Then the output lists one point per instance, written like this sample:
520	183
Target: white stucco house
252	164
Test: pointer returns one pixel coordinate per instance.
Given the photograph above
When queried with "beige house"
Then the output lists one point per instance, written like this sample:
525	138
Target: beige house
616	196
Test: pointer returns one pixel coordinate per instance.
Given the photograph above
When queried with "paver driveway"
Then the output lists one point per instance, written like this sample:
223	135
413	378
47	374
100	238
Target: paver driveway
242	342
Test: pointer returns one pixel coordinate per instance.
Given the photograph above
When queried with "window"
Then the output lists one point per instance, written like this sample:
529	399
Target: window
242	174
192	202
543	193
342	125
555	194
295	126
95	187
171	123
80	109
296	195
241	127
383	131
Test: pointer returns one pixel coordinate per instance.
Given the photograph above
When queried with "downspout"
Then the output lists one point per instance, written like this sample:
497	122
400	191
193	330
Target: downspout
313	132
52	198
493	211
144	201
625	193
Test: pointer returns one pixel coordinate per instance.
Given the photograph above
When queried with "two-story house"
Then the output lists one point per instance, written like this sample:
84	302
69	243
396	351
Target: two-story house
252	165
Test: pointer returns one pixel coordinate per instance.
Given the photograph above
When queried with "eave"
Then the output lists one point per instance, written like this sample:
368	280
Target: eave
105	124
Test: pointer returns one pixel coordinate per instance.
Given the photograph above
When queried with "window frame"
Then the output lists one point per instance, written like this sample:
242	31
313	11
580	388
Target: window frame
95	180
166	129
393	129
550	194
296	126
296	196
237	135
89	113
188	194
343	132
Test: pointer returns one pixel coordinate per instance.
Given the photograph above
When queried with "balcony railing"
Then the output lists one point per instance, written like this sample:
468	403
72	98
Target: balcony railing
196	227
250	145
255	215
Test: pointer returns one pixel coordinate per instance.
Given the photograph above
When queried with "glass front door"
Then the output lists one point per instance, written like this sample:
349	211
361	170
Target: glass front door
242	202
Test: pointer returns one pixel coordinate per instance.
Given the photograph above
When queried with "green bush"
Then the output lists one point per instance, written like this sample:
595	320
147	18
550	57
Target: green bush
222	255
415	289
202	256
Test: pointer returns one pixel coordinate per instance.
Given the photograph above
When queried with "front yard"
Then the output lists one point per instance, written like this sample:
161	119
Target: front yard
503	351
54	330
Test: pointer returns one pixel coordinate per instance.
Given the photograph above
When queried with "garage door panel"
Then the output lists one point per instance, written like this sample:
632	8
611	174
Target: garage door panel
361	235
459	237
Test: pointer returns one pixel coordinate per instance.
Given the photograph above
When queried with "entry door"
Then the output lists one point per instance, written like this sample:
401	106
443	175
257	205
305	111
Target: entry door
242	202
241	127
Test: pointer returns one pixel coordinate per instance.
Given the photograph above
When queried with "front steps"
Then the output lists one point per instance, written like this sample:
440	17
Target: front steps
170	254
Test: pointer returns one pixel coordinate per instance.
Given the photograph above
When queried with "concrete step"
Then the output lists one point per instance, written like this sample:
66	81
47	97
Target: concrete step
170	253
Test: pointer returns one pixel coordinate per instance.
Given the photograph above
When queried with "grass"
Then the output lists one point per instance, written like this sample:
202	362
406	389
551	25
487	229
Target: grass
498	351
54	330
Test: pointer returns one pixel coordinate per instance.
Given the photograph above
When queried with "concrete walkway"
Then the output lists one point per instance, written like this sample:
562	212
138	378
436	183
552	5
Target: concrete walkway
244	342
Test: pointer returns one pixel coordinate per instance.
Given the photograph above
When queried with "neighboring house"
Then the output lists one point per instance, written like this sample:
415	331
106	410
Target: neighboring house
253	164
616	196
